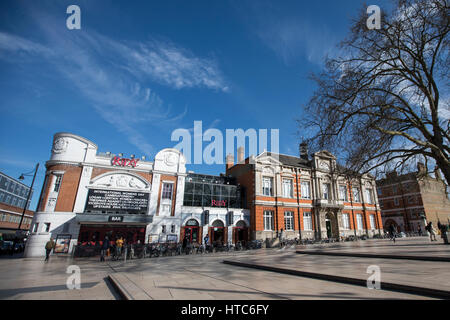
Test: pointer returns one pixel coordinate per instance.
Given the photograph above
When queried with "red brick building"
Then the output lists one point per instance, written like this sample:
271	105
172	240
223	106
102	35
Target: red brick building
306	198
411	200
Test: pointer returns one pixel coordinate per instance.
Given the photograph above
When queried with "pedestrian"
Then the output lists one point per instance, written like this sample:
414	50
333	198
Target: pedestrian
119	245
104	248
392	232
206	239
281	237
430	229
48	248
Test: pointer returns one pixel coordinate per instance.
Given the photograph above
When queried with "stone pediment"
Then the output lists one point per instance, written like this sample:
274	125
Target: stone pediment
122	181
324	154
267	160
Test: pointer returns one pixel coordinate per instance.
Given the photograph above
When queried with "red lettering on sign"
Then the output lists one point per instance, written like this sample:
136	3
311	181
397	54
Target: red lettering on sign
219	203
124	162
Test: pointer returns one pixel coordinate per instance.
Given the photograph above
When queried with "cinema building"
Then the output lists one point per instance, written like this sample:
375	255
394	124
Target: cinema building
88	194
307	198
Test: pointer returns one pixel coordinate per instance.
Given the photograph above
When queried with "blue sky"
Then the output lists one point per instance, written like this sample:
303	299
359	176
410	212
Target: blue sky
137	70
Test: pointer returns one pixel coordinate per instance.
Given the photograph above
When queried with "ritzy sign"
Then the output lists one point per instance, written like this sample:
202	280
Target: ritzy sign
123	162
218	203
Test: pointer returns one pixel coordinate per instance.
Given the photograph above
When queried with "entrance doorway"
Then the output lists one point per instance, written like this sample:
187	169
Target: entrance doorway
331	225
191	234
240	232
217	232
192	231
328	225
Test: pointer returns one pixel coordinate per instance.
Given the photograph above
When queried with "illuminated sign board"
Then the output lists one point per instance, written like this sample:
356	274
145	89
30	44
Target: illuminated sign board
123	201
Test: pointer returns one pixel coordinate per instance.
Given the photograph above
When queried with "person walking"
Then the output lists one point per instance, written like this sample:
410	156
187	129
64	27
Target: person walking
430	229
281	236
104	248
119	246
206	239
392	232
48	248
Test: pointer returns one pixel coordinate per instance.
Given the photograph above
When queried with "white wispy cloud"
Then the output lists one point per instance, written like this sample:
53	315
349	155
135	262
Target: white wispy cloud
114	75
288	35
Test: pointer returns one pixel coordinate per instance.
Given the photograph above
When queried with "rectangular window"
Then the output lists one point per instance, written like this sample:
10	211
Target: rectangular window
359	221
379	191
307	221
57	182
410	199
305	194
396	201
343	193
268	220
287	188
289	220
36	227
167	191
326	188
163	229
369	198
165	208
172	229
345	221
267	186
373	225
47	227
356	197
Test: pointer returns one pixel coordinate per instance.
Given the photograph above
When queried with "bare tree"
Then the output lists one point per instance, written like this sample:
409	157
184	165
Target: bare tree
385	101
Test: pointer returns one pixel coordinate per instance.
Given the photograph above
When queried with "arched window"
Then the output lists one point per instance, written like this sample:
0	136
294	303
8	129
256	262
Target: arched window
192	222
218	224
241	224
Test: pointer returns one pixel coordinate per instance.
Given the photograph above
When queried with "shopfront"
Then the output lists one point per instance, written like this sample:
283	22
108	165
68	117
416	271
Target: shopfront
240	232
218	232
192	231
94	233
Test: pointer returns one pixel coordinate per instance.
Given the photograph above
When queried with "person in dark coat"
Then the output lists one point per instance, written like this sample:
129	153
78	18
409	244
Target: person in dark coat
104	248
48	248
392	232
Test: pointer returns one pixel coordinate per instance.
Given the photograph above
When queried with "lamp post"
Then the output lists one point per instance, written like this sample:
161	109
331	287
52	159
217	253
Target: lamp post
22	177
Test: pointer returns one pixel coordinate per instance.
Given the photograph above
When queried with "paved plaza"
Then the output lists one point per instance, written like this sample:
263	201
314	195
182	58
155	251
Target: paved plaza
207	277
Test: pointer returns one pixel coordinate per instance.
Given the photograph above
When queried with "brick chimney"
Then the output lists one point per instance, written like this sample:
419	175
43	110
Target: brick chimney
229	161
421	168
437	173
241	154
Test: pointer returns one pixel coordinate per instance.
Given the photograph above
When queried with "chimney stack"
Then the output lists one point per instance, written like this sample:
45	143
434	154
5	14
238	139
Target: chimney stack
241	153
437	173
229	161
421	168
303	150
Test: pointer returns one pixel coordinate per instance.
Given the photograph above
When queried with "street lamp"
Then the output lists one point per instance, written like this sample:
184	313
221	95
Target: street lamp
22	177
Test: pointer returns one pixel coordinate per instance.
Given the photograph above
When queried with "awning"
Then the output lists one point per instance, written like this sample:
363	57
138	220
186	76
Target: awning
128	219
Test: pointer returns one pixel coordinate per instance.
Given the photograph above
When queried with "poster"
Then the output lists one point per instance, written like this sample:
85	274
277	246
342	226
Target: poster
62	243
131	202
